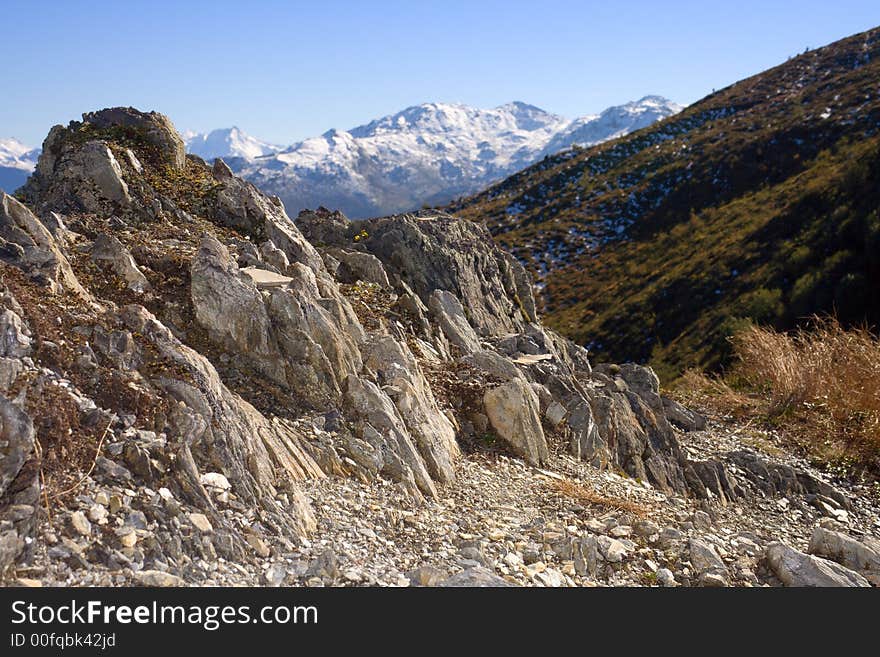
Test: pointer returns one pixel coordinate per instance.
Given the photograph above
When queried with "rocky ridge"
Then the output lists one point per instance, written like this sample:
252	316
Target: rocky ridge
195	389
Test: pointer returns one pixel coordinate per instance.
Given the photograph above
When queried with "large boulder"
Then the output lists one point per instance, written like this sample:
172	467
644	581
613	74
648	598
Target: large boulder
515	414
794	568
860	556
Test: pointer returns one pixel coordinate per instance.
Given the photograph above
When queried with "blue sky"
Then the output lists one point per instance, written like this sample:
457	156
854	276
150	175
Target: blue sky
283	71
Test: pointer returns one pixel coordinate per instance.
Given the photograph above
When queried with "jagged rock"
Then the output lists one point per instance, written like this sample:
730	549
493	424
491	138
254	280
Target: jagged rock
795	568
612	550
860	556
449	313
274	256
435	251
16	441
295	336
108	249
514	413
230	307
712	477
432	431
707	563
639	440
382	427
240	205
777	478
585	553
257	455
77	177
27	244
684	418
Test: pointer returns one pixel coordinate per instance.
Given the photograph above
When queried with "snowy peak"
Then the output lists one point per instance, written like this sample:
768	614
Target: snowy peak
432	153
227	143
16	155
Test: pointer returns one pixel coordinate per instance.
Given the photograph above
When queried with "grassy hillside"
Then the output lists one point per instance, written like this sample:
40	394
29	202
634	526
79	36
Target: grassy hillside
757	204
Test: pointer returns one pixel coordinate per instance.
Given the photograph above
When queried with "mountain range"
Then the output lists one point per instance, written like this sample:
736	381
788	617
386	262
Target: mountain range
427	154
431	154
757	204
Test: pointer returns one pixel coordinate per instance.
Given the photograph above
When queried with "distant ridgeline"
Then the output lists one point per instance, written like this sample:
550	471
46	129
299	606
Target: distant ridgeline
758	203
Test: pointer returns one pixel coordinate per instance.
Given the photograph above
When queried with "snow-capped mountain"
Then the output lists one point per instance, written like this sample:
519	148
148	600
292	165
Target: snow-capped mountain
17	161
431	154
227	143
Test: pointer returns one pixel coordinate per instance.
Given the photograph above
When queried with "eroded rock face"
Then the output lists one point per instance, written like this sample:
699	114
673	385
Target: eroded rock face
213	423
435	251
449	314
401	375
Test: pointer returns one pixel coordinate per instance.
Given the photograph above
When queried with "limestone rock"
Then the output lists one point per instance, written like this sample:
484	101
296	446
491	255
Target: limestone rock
514	413
381	425
435	251
358	266
402	376
795	568
860	556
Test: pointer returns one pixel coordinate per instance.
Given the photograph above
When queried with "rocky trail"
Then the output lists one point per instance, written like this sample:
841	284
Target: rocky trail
197	390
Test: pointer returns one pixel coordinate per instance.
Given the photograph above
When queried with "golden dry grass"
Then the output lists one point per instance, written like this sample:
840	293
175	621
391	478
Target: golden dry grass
819	384
585	494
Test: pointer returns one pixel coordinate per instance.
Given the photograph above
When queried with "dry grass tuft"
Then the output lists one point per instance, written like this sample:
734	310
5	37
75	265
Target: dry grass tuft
824	373
820	385
583	493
